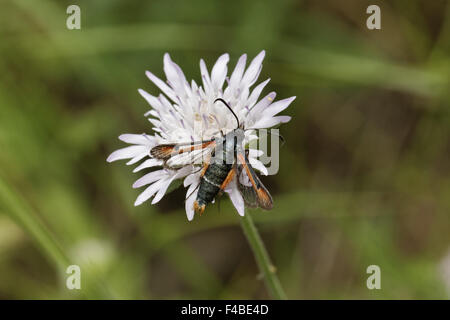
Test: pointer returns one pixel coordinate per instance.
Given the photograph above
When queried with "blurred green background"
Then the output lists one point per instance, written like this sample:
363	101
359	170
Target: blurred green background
364	174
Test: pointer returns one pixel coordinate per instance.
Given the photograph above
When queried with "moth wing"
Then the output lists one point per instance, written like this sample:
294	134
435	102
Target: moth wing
246	189
195	157
182	154
252	189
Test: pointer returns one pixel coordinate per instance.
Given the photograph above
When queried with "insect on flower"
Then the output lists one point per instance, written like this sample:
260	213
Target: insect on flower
225	157
201	134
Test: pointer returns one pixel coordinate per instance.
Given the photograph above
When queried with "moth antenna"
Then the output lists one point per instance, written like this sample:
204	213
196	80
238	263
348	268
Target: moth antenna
229	108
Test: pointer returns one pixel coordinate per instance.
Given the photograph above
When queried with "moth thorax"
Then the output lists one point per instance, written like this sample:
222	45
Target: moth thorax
231	143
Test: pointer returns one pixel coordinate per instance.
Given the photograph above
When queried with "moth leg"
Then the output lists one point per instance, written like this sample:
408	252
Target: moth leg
205	166
199	208
228	179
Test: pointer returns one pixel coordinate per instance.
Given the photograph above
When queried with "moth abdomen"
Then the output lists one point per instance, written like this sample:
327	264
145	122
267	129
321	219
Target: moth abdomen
210	184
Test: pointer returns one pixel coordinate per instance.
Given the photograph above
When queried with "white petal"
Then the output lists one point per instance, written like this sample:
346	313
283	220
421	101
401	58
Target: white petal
148	193
277	107
127	153
150	177
205	76
194	85
141	139
283	119
258	165
175	175
170	70
219	71
270	122
153	101
256	111
236	76
190	179
148	164
249	136
151	112
183	172
236	198
189	203
137	158
175	75
162	190
161	85
256	93
156	123
254	153
252	73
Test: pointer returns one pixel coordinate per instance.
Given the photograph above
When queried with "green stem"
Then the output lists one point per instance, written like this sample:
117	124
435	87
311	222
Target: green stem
262	258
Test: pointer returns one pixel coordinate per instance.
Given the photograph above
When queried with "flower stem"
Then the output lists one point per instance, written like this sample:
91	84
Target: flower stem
266	267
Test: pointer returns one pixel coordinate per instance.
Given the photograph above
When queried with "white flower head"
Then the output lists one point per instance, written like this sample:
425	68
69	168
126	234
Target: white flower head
182	108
